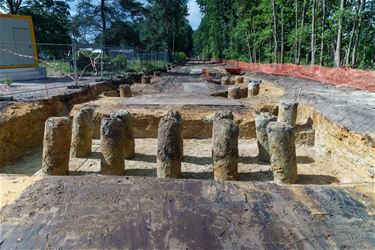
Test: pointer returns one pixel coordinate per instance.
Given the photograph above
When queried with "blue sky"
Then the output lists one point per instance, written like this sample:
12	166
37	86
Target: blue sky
195	16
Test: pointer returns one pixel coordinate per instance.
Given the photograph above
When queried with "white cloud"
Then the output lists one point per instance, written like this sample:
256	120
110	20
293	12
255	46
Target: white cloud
195	15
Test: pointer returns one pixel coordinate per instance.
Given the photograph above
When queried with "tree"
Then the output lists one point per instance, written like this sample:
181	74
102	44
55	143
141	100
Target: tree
313	34
322	32
166	26
288	31
357	33
94	18
337	59
51	19
11	6
301	33
115	35
274	30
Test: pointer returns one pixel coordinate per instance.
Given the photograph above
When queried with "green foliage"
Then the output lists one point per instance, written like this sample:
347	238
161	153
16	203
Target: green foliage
119	59
166	28
51	20
137	66
179	57
243	30
115	35
7	81
159	25
120	62
56	67
97	20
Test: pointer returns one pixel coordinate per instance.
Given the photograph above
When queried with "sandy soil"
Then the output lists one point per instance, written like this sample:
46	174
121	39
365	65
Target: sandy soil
197	163
12	186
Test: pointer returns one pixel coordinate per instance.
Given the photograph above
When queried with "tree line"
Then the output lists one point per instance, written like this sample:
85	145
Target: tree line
329	33
159	25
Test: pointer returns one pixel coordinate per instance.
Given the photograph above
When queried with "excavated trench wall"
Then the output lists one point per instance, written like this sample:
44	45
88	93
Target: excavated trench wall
197	124
22	123
336	143
146	125
330	140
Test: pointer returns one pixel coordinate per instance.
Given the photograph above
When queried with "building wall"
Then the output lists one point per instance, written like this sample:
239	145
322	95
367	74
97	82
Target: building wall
17	42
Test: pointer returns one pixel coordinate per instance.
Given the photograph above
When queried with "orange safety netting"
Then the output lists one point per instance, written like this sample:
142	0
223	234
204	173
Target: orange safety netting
355	78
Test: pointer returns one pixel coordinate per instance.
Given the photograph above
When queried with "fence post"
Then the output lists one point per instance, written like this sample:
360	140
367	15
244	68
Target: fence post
74	52
101	62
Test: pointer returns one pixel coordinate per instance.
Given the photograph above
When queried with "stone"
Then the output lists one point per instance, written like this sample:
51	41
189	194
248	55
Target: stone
261	122
125	90
128	139
82	133
170	146
146	79
238	79
234	92
283	152
225	149
157	73
226	114
288	111
111	93
244	91
225	81
253	88
56	146
111	146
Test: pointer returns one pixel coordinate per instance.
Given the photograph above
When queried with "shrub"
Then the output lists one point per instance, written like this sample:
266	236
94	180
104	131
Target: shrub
7	80
119	61
179	57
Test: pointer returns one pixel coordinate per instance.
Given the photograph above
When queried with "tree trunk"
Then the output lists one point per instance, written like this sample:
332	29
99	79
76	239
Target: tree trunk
104	22
322	35
354	30
282	37
249	47
357	35
337	60
313	34
254	42
298	61
296	31
274	18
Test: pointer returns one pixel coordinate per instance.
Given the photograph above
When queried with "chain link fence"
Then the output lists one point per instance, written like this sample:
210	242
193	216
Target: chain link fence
26	69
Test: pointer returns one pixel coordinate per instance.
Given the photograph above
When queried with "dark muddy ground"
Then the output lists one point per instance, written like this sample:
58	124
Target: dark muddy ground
147	213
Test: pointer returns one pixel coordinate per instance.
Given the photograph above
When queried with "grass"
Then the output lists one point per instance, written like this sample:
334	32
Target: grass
136	66
56	67
61	67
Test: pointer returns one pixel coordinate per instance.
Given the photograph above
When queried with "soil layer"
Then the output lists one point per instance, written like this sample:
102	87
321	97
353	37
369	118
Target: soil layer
146	213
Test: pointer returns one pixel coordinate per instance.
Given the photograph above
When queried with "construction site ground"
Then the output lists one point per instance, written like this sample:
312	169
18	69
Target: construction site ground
331	206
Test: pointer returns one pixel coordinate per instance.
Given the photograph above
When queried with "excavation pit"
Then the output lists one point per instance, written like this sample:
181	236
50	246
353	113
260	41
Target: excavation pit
334	151
313	167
